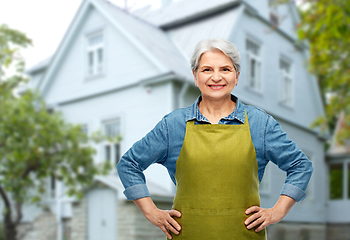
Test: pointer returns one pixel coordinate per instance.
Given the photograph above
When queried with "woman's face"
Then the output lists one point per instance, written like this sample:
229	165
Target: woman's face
216	76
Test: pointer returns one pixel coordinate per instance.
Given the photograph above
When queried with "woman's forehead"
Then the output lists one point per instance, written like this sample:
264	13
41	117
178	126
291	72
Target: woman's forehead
214	57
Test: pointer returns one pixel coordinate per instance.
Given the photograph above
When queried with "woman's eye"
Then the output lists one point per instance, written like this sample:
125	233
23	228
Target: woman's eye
206	70
226	69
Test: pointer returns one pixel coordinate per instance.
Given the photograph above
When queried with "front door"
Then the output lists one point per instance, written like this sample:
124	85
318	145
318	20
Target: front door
102	210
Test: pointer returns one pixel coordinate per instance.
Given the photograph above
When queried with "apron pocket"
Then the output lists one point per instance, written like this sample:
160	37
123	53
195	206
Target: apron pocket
223	224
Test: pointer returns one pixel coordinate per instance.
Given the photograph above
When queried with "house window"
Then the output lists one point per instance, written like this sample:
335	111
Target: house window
95	54
112	147
286	92
254	65
336	181
84	129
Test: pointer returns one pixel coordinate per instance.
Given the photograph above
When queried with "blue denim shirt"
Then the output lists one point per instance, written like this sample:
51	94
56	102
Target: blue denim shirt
163	144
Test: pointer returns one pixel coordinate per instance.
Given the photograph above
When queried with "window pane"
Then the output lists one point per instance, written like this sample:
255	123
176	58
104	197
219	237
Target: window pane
252	71
107	153
52	186
91	63
112	128
336	181
254	63
84	128
284	65
117	152
100	55
95	39
349	180
252	47
257	76
100	60
288	89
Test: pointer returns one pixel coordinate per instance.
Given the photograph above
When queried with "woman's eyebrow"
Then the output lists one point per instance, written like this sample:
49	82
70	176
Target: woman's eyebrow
226	66
206	66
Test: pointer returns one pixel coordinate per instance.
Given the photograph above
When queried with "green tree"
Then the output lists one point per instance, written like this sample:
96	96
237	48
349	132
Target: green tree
325	24
35	144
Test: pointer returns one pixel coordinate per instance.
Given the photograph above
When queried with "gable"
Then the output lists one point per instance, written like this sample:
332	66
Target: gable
123	63
141	50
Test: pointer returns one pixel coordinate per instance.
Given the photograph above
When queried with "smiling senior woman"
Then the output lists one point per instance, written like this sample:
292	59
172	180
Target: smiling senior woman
216	151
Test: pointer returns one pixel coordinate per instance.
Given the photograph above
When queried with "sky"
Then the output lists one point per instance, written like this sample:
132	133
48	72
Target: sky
46	21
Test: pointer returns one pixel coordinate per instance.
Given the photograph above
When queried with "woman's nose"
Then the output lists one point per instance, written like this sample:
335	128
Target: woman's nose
216	76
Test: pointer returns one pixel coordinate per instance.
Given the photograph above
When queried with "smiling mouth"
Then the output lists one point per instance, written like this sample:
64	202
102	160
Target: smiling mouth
216	87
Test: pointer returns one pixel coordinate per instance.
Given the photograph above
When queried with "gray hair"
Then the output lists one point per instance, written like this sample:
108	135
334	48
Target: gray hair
225	46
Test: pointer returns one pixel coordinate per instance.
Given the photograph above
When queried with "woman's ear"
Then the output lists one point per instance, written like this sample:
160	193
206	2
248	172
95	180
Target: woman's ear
195	78
237	76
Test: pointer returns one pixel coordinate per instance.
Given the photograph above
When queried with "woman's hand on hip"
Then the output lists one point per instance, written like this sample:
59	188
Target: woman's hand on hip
262	217
165	221
160	218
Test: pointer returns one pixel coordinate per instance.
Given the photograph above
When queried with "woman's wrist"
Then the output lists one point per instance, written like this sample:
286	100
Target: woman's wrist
146	205
283	205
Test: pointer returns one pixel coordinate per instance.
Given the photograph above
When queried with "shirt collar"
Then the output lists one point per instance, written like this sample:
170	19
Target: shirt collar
238	113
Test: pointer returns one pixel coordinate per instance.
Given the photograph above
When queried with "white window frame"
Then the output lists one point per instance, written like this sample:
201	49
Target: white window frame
286	83
346	189
98	67
255	83
114	146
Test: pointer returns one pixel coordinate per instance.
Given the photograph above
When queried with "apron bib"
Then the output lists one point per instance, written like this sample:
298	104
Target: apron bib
217	180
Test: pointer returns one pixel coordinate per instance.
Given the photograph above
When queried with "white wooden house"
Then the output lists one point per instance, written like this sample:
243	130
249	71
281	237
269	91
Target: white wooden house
121	72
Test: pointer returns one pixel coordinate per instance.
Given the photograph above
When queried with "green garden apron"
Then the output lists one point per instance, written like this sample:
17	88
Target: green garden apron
217	180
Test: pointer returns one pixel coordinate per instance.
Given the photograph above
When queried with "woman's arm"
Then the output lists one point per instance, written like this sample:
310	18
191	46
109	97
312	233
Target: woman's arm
152	148
264	217
286	154
160	218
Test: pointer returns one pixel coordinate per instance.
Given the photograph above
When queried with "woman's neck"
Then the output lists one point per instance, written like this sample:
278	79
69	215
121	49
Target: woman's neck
214	110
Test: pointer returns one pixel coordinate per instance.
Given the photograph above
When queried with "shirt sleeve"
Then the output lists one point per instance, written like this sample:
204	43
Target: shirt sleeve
150	149
287	156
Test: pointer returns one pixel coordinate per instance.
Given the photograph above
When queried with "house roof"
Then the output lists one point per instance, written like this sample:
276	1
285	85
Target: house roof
175	13
39	66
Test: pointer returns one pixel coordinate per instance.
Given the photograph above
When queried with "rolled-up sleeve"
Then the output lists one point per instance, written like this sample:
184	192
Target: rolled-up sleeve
287	156
150	149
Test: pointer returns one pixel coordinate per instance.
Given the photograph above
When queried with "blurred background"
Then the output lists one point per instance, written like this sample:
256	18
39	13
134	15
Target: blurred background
82	80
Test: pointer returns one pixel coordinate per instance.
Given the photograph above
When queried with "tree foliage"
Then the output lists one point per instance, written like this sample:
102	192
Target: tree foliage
35	144
325	24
